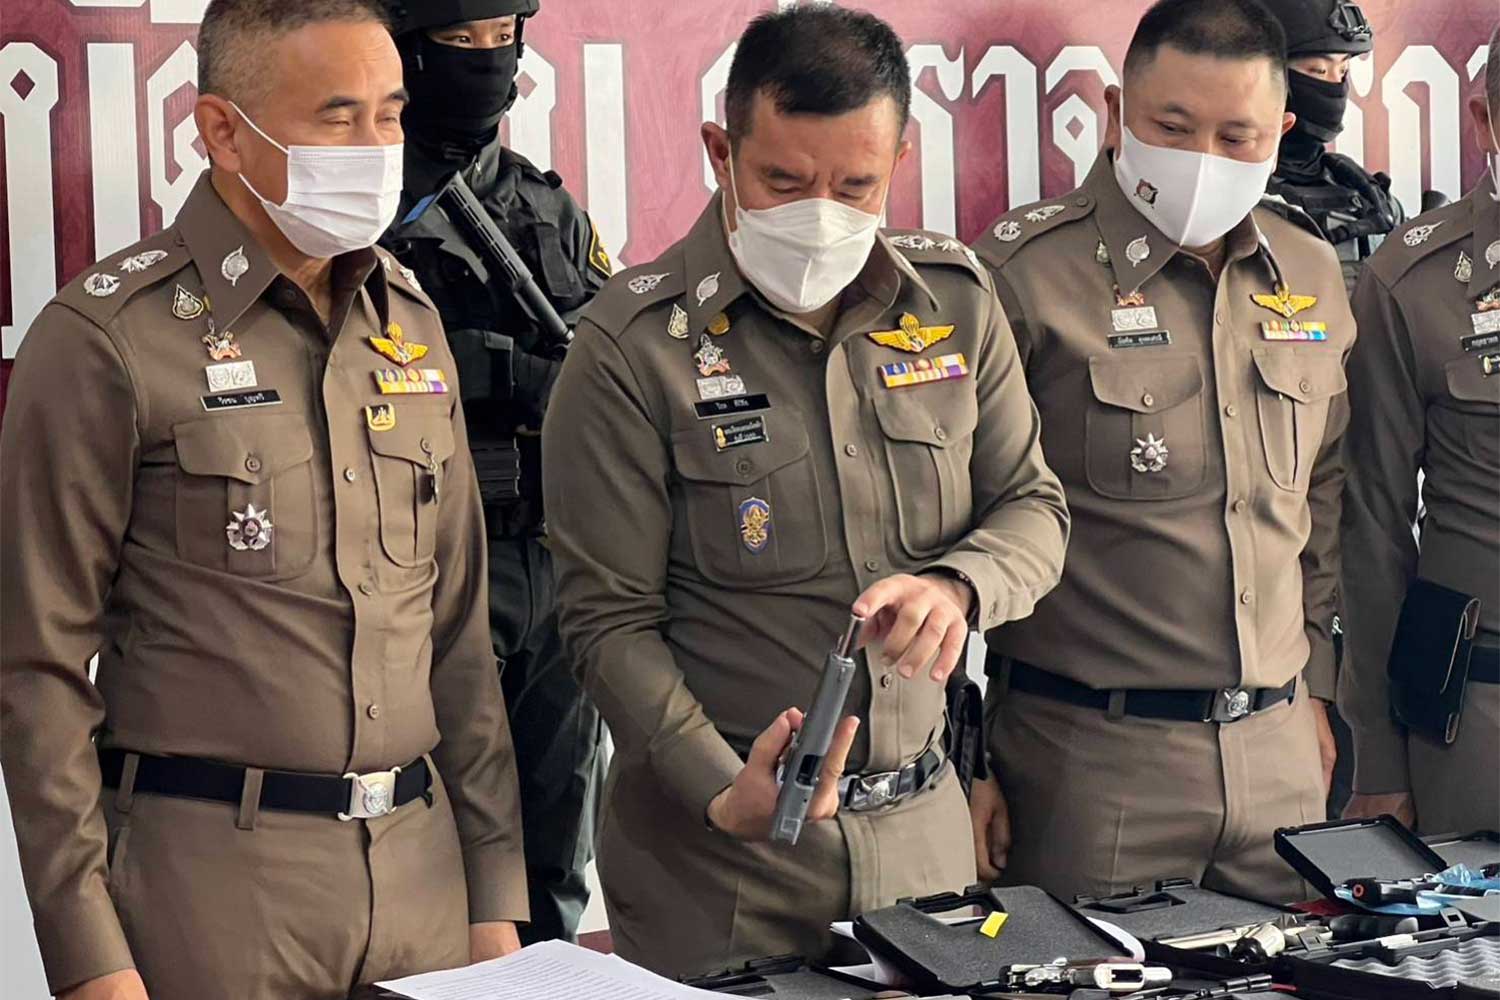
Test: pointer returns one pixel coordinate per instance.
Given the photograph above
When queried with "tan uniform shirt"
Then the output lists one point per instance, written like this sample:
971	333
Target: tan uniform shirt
1425	384
1200	454
723	483
355	640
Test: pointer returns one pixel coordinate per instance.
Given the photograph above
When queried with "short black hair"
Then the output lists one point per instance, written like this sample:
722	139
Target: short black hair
817	59
1224	29
232	38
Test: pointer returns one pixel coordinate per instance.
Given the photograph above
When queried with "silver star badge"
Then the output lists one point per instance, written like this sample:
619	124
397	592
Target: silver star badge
1008	232
410	276
101	285
1149	455
707	288
646	283
1463	271
1138	251
1417	235
912	241
249	531
1044	213
235	266
139	262
677	326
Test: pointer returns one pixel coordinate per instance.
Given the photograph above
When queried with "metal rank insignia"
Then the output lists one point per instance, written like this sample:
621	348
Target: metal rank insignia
1463	271
1044	213
249	531
1283	302
1292	329
912	337
235	266
186	305
707	288
1008	232
1147	192
677	324
410	276
410	381
381	417
1138	251
1492	255
1101	254
641	284
101	285
1150	455
141	261
395	347
718	325
755	524
1417	235
921	371
221	347
710	358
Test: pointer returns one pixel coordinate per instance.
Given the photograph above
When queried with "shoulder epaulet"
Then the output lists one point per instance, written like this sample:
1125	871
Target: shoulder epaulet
402	278
1278	205
1427	234
922	249
635	290
1019	226
101	290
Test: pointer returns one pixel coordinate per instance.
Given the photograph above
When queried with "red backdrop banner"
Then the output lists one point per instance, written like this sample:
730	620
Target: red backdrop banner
99	145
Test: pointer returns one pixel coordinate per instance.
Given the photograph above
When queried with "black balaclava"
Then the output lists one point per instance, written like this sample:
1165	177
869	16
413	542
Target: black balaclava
1319	106
458	95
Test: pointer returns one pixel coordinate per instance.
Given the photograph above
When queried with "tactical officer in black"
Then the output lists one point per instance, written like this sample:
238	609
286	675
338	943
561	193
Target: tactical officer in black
461	58
1353	209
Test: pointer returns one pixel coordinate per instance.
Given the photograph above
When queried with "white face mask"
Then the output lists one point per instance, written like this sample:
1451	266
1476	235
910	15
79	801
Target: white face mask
338	198
1193	198
801	254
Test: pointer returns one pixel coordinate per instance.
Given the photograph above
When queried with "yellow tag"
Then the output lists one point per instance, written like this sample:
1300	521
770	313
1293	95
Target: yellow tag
381	417
993	923
598	256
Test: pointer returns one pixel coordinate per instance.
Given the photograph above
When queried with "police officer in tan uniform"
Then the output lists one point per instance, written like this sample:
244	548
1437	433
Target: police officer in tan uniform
1425	386
236	470
1160	714
787	414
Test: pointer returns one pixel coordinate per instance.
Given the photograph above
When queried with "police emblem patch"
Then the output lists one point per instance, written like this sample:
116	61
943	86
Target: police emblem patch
1463	271
755	524
598	256
381	417
1147	192
235	266
1492	255
710	359
677	323
186	305
249	531
707	288
1138	251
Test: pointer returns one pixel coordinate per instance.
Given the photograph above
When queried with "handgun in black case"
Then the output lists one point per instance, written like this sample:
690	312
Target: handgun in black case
789	977
935	956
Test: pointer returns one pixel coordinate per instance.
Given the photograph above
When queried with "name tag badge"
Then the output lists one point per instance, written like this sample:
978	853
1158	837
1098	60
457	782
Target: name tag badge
710	409
1156	338
751	430
1481	342
241	400
1486	322
1134	320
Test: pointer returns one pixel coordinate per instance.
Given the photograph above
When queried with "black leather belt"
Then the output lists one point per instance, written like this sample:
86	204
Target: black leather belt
352	796
1484	665
866	792
1222	705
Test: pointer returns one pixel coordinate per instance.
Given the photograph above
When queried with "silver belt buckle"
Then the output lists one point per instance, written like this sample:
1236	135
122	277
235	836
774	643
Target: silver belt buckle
371	795
871	791
1230	705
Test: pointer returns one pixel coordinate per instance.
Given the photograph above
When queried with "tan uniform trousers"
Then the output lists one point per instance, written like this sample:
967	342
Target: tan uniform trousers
295	906
1456	788
1100	805
685	900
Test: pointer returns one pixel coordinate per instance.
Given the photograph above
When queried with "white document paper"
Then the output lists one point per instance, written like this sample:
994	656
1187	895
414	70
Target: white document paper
545	971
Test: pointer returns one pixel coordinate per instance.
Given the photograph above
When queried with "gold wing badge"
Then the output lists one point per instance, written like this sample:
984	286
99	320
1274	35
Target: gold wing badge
397	348
1284	303
913	337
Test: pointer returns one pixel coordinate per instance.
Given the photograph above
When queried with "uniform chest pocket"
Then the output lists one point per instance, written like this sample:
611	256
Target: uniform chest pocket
1477	400
1292	400
754	512
929	440
1143	433
409	461
225	466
